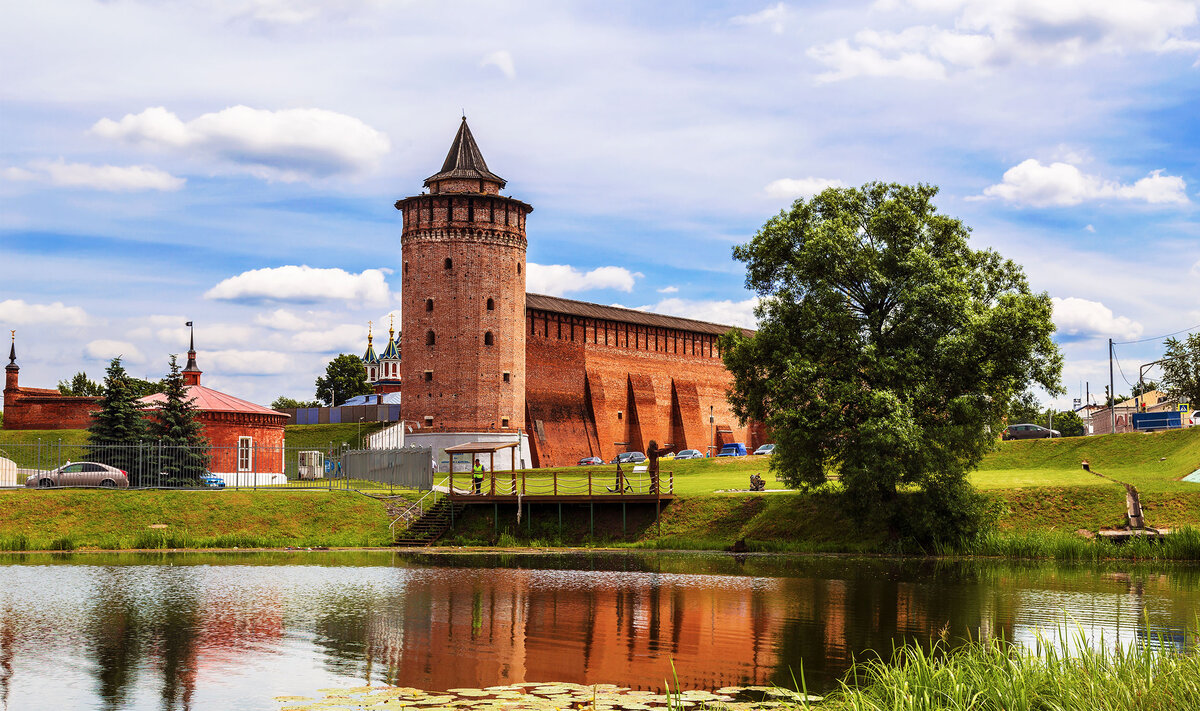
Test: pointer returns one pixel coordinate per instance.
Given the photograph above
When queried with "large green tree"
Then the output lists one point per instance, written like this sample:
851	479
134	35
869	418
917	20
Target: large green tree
80	384
1181	368
888	351
344	378
116	436
182	448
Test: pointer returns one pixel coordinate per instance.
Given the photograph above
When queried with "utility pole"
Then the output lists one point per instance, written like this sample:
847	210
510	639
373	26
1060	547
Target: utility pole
1112	393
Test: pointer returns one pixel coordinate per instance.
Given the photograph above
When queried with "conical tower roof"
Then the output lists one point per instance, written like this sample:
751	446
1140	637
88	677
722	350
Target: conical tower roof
465	161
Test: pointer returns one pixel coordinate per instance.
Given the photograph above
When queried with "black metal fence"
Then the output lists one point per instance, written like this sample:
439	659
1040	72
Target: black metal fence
154	465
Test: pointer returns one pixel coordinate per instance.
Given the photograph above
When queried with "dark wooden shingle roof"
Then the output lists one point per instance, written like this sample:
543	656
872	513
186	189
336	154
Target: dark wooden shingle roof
464	160
555	304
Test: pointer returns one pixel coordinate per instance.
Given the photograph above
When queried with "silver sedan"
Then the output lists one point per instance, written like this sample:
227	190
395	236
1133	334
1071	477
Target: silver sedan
80	474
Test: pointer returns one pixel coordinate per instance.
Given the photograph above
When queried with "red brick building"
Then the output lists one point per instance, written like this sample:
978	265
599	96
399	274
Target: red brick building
41	408
483	360
246	439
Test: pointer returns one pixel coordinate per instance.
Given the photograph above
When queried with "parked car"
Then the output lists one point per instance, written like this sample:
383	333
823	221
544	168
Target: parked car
690	454
589	461
81	474
212	482
733	449
629	458
765	449
1029	432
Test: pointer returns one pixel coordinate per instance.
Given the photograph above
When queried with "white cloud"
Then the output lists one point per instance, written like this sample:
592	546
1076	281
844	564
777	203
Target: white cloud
771	16
106	350
1081	318
250	362
303	284
792	188
668	290
113	178
288	145
726	312
1090	228
1062	184
339	339
18	313
990	33
209	335
285	320
558	279
502	60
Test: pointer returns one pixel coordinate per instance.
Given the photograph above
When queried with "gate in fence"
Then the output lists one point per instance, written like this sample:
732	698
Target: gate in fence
406	467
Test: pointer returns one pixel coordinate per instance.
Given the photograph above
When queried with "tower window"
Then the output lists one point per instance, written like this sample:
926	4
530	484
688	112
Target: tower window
429	376
448	264
619	414
430	339
428	421
518	269
429	304
487	338
507	376
406	267
491	305
504	422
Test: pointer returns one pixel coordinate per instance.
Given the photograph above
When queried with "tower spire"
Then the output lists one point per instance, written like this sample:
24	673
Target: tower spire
191	372
12	350
464	161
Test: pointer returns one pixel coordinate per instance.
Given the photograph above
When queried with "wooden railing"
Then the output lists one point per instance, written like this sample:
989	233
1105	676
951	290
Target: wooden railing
584	481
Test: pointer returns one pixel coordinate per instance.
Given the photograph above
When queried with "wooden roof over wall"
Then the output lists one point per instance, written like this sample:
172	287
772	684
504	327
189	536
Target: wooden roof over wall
555	304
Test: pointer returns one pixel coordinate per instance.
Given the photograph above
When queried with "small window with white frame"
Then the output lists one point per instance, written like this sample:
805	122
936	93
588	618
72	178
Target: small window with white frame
245	454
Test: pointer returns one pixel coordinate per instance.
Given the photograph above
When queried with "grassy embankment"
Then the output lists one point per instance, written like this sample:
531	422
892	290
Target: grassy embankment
1045	494
1064	673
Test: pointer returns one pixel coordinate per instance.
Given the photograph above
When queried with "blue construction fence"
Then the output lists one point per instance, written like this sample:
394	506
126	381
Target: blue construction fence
343	413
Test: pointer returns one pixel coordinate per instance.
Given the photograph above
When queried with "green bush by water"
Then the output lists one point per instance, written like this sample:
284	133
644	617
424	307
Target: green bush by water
1065	673
1183	544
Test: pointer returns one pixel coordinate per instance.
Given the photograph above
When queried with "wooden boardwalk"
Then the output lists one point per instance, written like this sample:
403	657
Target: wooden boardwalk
587	485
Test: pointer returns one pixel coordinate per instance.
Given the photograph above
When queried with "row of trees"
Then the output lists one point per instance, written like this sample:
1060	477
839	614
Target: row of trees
123	423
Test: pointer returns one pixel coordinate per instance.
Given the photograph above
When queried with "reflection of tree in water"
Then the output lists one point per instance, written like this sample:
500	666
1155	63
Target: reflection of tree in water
830	622
176	627
8	640
114	635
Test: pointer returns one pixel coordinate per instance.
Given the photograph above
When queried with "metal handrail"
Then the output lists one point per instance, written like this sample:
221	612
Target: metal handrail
421	506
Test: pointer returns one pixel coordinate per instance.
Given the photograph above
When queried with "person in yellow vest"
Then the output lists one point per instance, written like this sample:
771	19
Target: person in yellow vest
477	476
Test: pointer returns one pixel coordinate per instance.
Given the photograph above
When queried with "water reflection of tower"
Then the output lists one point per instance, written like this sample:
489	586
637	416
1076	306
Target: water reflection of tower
8	640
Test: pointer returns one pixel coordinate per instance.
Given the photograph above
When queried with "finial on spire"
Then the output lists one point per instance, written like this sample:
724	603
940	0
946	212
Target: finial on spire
391	326
369	334
191	372
12	350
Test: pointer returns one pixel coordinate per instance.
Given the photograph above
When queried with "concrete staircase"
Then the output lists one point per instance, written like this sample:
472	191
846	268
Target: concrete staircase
431	526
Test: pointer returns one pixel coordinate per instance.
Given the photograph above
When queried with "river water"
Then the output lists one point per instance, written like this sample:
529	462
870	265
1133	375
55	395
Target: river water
232	631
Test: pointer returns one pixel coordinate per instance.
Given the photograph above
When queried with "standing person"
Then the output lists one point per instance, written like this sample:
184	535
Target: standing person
653	452
477	476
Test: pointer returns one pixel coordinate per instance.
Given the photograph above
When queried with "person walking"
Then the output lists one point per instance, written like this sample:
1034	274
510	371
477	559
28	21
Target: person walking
477	476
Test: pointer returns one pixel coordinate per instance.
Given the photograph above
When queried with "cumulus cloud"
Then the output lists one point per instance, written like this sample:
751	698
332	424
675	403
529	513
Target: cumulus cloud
344	338
792	188
1081	319
303	284
668	290
247	362
19	313
559	279
209	335
106	350
287	145
1062	184
771	16
285	320
726	312
114	178
502	60
989	33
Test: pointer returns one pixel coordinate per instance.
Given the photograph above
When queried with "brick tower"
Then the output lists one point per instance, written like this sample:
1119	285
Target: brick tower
463	294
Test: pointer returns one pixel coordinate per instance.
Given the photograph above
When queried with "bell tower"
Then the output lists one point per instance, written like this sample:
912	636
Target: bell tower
463	293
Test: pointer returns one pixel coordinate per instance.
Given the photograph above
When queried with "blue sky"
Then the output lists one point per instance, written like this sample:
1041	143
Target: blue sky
234	162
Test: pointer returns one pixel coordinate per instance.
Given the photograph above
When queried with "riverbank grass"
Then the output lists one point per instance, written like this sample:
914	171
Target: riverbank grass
1065	672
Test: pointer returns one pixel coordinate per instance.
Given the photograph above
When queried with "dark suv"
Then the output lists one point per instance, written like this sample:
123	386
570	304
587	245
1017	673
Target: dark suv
1029	432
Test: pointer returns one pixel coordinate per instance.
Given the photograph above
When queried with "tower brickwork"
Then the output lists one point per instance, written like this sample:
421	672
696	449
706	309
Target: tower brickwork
463	295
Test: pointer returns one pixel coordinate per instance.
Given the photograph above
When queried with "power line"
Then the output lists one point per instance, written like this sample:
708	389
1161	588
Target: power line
1156	338
1119	370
